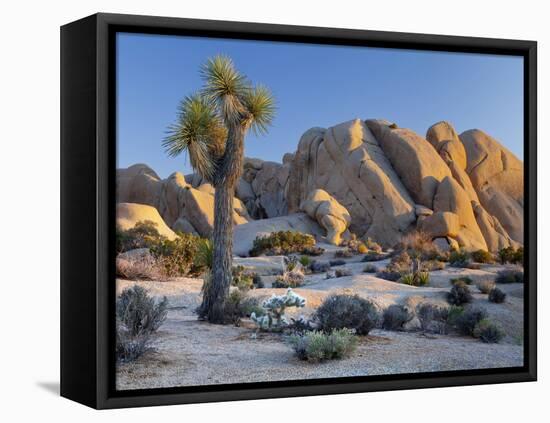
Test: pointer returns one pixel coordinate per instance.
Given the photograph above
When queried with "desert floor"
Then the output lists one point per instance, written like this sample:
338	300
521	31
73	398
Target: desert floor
188	352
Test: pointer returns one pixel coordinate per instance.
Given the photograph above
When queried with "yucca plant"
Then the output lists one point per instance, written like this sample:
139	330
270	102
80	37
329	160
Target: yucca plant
211	128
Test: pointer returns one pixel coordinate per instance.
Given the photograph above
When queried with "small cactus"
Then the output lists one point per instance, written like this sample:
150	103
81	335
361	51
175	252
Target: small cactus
274	318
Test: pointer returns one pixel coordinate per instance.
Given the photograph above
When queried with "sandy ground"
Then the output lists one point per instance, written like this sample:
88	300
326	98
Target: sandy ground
188	352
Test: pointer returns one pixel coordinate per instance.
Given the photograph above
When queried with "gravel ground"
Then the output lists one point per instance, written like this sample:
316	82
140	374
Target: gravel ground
186	352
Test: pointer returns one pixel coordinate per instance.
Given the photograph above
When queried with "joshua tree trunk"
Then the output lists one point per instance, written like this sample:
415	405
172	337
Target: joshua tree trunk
218	290
214	297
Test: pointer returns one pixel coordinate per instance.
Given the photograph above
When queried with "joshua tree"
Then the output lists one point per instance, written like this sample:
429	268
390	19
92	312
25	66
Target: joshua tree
211	128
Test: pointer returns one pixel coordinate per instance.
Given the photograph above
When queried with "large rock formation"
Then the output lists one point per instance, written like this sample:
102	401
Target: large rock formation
497	176
180	205
329	213
347	162
128	214
413	158
379	180
262	188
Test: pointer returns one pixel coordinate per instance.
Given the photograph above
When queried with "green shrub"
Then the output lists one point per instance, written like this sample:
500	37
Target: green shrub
347	311
433	318
395	317
460	294
463	279
459	258
370	268
518	256
482	256
506	255
415	279
509	276
282	243
178	257
485	286
138	316
305	261
488	331
242	279
467	321
497	296
320	346
144	234
238	305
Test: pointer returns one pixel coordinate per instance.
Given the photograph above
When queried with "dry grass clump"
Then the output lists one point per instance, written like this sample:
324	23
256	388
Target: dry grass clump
139	268
485	286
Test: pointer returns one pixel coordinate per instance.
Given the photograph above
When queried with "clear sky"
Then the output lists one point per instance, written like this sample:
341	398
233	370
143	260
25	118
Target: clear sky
314	85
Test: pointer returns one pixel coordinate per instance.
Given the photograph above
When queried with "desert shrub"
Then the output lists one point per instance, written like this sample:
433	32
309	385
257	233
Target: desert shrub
242	279
319	266
282	243
320	346
305	261
485	286
506	255
300	325
178	257
273	317
347	311
418	245
459	294
482	256
129	348
467	321
415	279
340	273
144	234
289	279
138	316
373	256
313	251
454	313
370	268
518	256
238	305
432	265
345	253
373	246
459	258
463	279
140	313
509	276
204	255
497	296
395	317
388	275
433	318
488	331
337	262
475	266
139	268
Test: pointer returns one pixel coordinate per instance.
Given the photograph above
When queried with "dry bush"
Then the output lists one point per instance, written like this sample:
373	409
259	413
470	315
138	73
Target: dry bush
141	268
485	286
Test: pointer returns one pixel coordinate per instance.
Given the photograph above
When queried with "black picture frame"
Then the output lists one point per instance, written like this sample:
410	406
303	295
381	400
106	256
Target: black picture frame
88	221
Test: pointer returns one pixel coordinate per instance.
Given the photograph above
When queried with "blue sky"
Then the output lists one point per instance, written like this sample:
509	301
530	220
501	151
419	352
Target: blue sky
314	85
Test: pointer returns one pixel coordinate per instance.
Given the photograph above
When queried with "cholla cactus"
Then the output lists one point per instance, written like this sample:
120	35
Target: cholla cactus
275	306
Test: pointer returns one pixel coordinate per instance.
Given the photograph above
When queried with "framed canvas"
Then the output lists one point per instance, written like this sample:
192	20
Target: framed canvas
258	211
